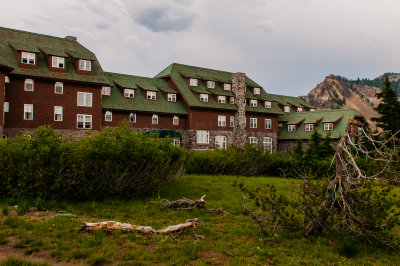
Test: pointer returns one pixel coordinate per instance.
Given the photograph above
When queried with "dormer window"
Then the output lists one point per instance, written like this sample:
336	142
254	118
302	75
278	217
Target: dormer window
28	85
253	103
203	97
328	126
291	128
106	91
58	88
232	100
7	79
211	84
221	99
85	65
267	104
309	127
129	93
193	82
151	95
227	86
171	97
257	91
28	58
312	110
58	62
286	109
299	109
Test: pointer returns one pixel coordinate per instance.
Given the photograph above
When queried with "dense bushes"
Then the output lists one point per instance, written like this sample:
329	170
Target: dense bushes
115	162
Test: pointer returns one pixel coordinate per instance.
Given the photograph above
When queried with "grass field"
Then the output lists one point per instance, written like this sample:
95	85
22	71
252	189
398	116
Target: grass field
53	238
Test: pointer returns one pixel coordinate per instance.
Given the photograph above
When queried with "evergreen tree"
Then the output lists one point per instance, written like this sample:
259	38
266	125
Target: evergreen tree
389	108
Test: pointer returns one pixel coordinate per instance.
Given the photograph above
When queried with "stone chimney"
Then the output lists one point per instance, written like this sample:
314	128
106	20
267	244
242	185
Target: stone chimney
239	89
71	38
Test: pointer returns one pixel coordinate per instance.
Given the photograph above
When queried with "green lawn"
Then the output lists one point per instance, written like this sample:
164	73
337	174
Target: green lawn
231	239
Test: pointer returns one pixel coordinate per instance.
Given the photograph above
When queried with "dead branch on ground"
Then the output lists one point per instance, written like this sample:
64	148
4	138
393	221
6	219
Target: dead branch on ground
188	204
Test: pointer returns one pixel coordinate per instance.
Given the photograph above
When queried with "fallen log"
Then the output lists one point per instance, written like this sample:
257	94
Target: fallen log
109	226
188	204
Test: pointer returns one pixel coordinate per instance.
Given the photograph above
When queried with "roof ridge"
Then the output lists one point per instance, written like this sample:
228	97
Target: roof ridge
202	68
320	111
34	33
128	75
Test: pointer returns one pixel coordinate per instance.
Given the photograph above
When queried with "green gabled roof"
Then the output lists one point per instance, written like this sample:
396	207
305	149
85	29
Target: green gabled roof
343	114
250	95
147	87
81	53
5	64
139	104
201	88
28	41
53	51
220	91
287	100
125	84
261	109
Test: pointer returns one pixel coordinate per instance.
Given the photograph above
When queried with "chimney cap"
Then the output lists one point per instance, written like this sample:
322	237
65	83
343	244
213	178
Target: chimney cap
72	38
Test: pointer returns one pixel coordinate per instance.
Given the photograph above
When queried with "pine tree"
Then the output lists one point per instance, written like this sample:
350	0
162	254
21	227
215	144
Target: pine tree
389	108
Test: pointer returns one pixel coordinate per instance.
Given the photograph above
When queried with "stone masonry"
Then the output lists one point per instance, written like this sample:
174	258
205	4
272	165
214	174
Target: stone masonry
239	89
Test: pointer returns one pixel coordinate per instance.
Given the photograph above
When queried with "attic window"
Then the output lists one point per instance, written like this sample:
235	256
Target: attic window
221	99
171	97
211	84
232	100
106	90
85	65
328	126
227	86
151	95
128	93
28	58
309	127
291	128
286	109
257	91
253	103
7	79
203	97
58	62
28	84
193	82
267	104
299	109
312	110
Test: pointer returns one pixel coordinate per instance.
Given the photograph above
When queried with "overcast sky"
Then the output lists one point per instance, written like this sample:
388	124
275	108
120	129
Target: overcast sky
287	46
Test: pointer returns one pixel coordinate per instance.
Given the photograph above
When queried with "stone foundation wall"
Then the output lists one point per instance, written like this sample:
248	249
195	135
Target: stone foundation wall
78	134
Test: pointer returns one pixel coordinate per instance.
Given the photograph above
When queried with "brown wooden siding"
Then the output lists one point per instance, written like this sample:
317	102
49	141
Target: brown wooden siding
208	119
261	122
2	87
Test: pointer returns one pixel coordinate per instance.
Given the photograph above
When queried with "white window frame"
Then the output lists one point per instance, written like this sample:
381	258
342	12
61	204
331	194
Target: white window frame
59	85
312	110
176	142
28	109
108	116
58	113
253	103
257	91
220	142
154	119
268	104
291	128
84	99
202	137
268	123
86	120
309	127
6	107
232	121
175	120
171	97
286	109
210	84
151	95
253	122
328	126
222	121
267	144
132	117
203	97
7	79
232	100
253	140
57	62
105	90
85	65
193	82
227	87
29	57
221	99
29	82
129	93
299	109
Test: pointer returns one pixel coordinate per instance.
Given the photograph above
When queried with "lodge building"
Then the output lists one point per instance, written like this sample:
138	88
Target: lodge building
46	80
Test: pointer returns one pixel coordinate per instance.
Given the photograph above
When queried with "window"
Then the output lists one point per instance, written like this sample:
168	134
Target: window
84	121
309	127
58	62
175	120
154	119
232	100
227	86
267	104
193	82
106	91
28	58
85	99
221	121
203	97
151	95
253	140
299	109
132	118
6	107
280	125
108	116
267	144
59	87
328	126
211	84
202	136
221	99
58	113
85	65
220	142
28	111
312	110
232	121
253	122
253	103
291	128
257	91
286	109
171	97
7	79
176	142
129	93
268	123
29	84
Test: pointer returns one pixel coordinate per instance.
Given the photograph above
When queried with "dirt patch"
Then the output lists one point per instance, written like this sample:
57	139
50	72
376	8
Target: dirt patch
214	258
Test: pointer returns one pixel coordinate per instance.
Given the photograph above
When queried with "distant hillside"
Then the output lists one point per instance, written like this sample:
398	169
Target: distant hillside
339	92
